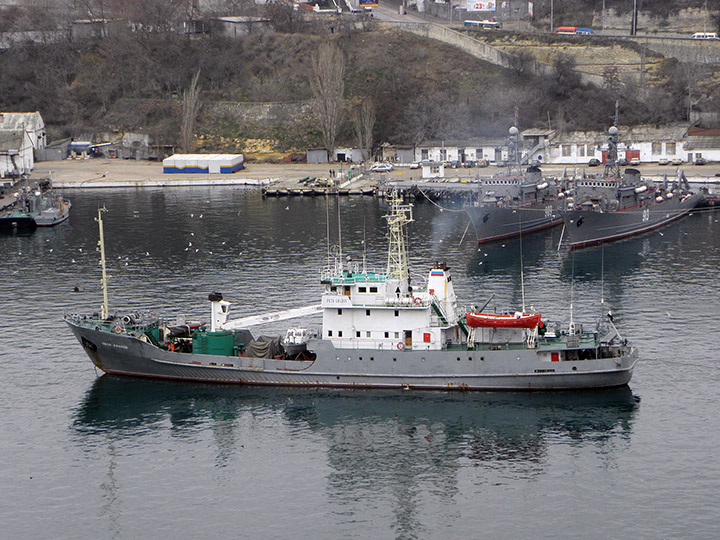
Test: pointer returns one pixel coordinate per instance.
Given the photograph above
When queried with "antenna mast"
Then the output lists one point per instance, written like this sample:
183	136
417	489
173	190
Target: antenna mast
399	216
101	242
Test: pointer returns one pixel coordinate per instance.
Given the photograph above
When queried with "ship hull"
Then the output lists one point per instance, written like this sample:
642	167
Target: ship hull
497	223
512	369
586	228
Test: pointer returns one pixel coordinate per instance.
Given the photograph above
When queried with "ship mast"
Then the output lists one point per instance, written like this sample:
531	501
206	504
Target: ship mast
612	169
399	216
101	243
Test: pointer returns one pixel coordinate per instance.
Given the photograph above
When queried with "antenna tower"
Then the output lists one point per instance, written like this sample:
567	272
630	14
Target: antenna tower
399	216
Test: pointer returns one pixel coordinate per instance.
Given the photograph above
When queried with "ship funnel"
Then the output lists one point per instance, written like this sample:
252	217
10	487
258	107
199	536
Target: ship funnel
219	310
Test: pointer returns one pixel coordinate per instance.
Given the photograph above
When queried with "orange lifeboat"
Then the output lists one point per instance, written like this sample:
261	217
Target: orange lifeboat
510	320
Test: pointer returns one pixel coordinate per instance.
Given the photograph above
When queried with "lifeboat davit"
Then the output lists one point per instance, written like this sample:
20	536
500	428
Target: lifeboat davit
510	320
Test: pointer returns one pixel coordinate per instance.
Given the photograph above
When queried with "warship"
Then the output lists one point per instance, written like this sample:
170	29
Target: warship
619	206
517	202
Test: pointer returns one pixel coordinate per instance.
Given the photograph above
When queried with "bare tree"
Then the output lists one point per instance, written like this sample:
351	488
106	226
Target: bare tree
190	110
326	81
363	122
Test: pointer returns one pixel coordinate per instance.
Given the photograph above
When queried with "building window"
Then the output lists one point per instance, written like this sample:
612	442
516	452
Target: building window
443	154
566	150
670	149
656	148
424	154
435	169
581	150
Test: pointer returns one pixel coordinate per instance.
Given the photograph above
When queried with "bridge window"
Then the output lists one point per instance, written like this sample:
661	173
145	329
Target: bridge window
373	289
339	333
339	311
357	333
329	333
387	334
362	289
397	313
367	312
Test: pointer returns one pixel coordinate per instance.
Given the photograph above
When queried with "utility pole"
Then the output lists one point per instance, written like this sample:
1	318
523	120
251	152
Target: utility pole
552	14
602	17
633	24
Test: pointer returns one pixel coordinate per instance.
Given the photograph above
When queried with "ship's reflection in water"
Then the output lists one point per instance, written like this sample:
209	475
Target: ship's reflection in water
385	446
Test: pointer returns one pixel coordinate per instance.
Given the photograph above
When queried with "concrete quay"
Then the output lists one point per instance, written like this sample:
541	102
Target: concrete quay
117	173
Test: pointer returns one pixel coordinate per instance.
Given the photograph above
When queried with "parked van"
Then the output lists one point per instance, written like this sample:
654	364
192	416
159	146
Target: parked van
705	35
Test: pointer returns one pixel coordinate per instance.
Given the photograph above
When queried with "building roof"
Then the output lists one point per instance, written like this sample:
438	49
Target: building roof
21	120
11	140
468	143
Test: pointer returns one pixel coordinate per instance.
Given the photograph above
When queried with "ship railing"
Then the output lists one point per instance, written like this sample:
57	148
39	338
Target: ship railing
346	276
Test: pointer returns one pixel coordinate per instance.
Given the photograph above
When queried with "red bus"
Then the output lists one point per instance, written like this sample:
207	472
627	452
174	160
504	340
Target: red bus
567	30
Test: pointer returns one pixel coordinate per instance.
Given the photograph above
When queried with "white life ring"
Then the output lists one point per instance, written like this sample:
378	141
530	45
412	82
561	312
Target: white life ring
417	300
400	345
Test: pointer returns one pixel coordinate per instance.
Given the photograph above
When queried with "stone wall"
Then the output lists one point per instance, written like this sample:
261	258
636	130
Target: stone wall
477	48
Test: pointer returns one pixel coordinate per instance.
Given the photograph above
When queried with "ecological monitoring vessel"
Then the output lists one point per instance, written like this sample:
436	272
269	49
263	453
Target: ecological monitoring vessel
378	331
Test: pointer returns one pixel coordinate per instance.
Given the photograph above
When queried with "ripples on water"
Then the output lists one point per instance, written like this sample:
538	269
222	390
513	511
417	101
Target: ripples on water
104	457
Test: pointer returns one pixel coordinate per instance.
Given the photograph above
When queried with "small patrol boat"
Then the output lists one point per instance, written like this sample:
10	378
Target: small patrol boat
379	330
35	206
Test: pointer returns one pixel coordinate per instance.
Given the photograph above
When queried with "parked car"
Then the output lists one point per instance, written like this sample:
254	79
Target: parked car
677	161
594	162
381	167
635	161
469	164
663	161
452	164
482	163
700	161
415	165
622	162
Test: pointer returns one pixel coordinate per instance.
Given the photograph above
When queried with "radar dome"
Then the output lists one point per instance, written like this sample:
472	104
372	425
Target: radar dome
613	130
514	131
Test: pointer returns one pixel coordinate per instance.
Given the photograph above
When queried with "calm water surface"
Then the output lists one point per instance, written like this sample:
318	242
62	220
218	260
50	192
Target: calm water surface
92	457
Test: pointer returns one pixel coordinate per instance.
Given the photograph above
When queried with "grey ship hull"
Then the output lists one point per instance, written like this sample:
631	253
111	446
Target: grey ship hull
494	223
585	228
509	369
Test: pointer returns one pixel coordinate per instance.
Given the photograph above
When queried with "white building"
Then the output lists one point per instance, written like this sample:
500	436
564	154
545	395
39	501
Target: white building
16	153
31	122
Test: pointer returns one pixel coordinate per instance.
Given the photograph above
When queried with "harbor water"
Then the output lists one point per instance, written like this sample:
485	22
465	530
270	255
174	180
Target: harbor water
91	456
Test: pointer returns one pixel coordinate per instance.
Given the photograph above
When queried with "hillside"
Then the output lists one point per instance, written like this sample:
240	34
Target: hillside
419	88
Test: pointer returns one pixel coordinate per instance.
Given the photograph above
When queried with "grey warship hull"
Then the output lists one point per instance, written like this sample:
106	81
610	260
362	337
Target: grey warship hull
586	228
494	223
504	368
